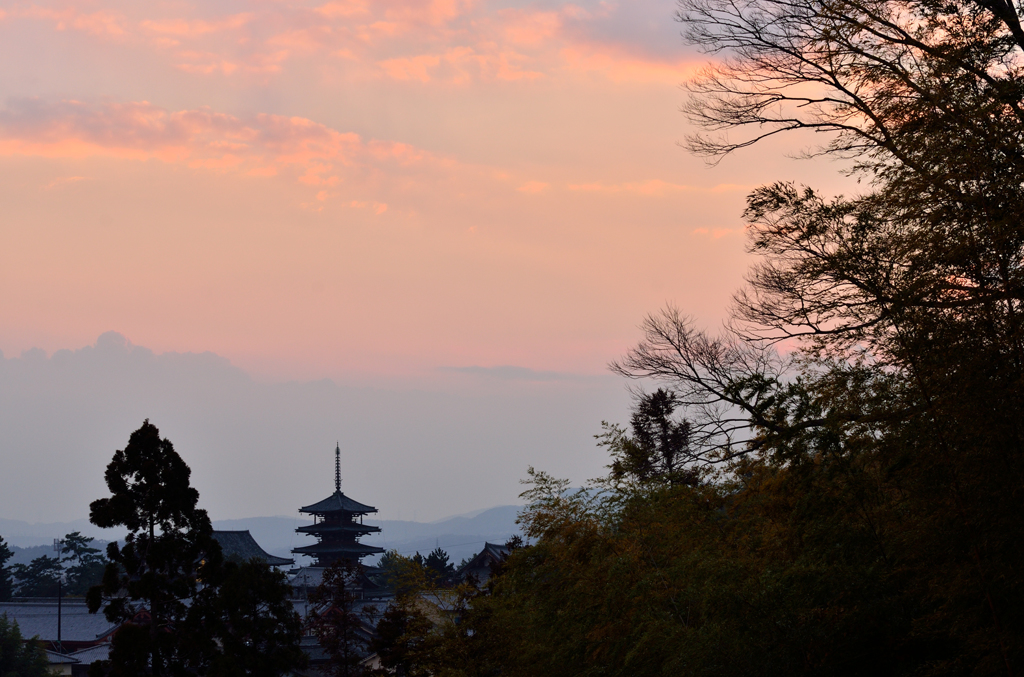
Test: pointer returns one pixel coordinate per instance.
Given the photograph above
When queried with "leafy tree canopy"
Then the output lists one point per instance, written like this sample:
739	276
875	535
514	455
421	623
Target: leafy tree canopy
258	629
848	505
438	566
83	564
337	620
17	657
38	578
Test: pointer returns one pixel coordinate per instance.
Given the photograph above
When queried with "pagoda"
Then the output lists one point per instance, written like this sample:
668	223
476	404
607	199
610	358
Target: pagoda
338	526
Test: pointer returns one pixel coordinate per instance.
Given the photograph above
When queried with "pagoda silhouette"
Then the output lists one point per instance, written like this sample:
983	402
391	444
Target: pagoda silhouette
337	526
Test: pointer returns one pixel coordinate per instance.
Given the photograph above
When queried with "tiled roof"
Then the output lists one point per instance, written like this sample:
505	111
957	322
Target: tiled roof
480	565
54	658
100	652
311	577
241	545
338	502
40	619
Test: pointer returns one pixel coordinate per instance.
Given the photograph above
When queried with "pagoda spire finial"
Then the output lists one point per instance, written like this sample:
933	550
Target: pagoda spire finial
337	467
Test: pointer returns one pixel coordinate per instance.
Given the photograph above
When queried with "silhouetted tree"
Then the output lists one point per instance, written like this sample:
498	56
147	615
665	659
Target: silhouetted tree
83	564
658	451
151	578
6	584
438	566
39	577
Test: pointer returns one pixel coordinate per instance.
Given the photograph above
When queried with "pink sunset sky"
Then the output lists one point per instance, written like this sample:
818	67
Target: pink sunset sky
364	191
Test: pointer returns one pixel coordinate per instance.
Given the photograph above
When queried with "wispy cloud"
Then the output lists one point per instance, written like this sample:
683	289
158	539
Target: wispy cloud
62	181
533	187
447	41
717	233
513	373
106	23
258	145
655	187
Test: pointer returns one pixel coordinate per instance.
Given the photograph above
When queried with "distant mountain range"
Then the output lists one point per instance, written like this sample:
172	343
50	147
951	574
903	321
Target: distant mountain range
460	536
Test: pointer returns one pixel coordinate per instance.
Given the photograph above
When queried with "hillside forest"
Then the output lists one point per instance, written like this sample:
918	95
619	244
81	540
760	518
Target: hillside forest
833	484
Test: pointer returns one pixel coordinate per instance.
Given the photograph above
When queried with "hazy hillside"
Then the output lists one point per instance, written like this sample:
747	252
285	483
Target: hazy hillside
461	536
29	534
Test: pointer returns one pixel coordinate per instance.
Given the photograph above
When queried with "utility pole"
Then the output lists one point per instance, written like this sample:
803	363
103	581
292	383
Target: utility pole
57	545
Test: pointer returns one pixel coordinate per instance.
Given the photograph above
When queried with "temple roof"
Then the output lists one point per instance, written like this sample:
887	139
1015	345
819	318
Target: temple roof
324	528
40	618
339	548
337	502
241	545
480	565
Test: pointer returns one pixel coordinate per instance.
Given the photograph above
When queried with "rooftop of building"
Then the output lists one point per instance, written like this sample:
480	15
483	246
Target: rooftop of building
38	618
240	545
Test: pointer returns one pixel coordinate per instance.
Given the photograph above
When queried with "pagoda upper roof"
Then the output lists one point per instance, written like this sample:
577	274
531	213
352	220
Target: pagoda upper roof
337	502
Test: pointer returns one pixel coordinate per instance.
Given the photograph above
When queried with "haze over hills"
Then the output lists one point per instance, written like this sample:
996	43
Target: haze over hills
460	536
266	448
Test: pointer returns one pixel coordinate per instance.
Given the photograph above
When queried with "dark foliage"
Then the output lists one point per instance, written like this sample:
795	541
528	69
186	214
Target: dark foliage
164	554
17	657
38	578
422	631
403	634
182	610
658	451
78	566
337	619
438	566
258	629
83	564
6	582
851	506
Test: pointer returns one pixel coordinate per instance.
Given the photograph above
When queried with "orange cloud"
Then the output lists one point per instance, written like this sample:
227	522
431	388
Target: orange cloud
530	28
377	208
414	41
415	68
533	187
101	23
432	12
183	28
343	8
259	145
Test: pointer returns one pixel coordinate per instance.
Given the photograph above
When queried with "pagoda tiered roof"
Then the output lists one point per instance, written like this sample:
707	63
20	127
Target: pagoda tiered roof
338	549
338	502
345	528
339	526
